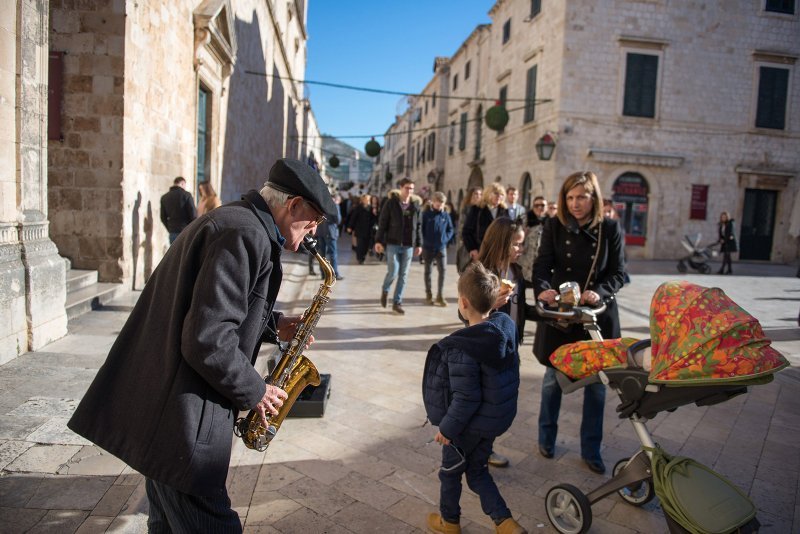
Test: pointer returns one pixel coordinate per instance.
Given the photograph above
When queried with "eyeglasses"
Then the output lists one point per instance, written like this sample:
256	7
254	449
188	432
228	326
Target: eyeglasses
320	218
539	205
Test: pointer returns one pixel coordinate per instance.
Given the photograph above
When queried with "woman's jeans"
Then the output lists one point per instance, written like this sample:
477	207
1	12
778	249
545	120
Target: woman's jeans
399	259
469	454
440	257
594	401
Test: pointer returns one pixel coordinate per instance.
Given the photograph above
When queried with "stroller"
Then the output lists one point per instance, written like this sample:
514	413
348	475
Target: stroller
705	350
698	257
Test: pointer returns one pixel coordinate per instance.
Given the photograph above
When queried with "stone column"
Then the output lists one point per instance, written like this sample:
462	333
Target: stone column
43	280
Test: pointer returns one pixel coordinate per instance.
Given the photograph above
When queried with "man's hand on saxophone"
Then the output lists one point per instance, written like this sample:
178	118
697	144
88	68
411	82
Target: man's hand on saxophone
287	328
272	400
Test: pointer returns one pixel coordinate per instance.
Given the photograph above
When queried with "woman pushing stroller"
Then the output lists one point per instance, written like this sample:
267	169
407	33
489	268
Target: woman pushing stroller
578	245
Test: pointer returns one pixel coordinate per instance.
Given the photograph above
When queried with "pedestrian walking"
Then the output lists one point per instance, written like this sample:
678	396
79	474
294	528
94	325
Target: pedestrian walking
491	206
472	198
166	397
328	231
177	208
470	389
400	235
727	242
515	210
208	198
437	231
360	226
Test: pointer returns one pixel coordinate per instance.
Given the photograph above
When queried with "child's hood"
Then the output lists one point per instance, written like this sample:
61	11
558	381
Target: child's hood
492	342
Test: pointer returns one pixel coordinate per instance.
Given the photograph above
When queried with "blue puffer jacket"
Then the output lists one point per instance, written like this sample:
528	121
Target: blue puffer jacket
437	229
471	379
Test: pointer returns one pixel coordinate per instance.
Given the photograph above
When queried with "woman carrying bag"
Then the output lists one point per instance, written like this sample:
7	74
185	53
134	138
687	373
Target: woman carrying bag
578	245
727	241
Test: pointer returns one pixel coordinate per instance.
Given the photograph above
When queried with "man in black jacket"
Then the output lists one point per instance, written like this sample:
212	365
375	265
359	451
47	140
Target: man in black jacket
177	208
166	398
400	235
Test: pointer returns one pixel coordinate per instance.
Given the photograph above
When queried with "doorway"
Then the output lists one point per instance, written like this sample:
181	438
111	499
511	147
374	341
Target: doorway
758	224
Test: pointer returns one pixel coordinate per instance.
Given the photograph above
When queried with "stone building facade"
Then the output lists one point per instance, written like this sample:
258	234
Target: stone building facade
32	275
683	111
132	95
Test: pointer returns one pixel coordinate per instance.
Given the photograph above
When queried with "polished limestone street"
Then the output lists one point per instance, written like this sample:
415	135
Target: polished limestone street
369	464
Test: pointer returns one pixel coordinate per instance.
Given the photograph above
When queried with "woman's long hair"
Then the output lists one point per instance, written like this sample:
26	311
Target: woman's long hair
588	180
495	252
489	191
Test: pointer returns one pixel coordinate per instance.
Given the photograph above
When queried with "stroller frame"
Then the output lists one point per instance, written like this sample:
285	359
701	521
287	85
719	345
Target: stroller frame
567	507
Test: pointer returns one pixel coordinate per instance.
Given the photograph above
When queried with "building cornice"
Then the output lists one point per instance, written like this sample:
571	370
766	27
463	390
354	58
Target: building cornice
650	159
786	173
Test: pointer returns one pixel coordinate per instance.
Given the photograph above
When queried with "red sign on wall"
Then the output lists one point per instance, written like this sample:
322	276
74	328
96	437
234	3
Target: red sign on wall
699	202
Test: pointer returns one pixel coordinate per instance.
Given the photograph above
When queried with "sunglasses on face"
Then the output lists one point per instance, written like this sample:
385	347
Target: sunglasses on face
540	205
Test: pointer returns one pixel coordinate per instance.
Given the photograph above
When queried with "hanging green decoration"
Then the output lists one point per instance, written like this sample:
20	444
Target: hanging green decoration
372	148
333	161
497	117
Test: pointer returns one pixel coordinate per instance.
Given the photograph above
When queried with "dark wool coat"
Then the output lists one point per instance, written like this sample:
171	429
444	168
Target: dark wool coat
478	220
177	209
361	221
727	237
391	221
566	255
167	396
471	379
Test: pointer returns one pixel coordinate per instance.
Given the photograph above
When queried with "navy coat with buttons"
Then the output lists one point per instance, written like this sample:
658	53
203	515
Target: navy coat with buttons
471	379
166	398
566	255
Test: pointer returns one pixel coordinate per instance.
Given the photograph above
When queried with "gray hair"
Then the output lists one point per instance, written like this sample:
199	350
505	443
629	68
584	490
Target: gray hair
273	197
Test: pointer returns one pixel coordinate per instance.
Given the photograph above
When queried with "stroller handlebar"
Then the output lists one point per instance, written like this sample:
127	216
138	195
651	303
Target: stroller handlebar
575	314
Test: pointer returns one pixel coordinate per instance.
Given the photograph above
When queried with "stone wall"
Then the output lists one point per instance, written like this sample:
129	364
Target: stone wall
85	168
32	275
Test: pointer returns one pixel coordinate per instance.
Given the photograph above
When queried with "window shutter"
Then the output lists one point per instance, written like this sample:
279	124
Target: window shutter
641	76
773	86
530	94
462	141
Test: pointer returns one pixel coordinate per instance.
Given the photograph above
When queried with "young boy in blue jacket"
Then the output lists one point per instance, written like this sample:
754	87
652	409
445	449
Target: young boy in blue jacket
470	387
437	231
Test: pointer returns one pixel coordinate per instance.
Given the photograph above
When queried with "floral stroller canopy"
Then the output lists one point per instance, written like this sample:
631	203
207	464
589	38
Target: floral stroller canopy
700	335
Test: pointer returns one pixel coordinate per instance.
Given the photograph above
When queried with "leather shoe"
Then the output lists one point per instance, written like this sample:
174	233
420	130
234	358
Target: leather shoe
596	466
384	297
498	460
544	451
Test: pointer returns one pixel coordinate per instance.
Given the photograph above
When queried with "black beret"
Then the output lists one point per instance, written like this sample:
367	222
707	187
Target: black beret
299	179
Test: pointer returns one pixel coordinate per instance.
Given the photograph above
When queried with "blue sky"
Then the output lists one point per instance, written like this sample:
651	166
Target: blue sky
384	44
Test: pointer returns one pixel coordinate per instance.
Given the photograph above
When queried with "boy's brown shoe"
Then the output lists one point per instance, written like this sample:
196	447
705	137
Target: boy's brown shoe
437	524
509	526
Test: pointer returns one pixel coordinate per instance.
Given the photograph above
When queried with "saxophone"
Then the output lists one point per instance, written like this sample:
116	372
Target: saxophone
294	371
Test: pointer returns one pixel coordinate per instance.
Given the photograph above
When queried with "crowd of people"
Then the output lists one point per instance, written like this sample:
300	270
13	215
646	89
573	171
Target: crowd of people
188	367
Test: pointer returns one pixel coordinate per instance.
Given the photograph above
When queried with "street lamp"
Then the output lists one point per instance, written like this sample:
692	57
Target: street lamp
545	147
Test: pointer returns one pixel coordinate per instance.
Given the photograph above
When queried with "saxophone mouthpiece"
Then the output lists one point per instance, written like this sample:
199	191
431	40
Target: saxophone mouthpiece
309	243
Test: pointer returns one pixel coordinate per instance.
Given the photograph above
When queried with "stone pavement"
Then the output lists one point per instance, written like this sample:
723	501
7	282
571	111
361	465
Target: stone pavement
368	464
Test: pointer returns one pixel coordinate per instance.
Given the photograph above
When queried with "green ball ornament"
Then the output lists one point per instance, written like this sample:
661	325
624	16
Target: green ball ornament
372	148
497	117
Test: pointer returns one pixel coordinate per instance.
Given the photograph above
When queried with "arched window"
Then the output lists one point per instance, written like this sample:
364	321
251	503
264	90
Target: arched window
630	201
526	191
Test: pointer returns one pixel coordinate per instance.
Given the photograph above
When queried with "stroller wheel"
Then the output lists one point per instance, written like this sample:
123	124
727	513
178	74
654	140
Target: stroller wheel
705	268
682	268
638	493
568	509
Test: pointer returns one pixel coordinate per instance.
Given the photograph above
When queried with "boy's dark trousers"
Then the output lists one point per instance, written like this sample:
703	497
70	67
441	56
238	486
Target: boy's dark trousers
475	451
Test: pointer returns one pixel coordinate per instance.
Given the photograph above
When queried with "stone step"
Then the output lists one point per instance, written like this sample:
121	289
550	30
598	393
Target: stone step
91	298
80	278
